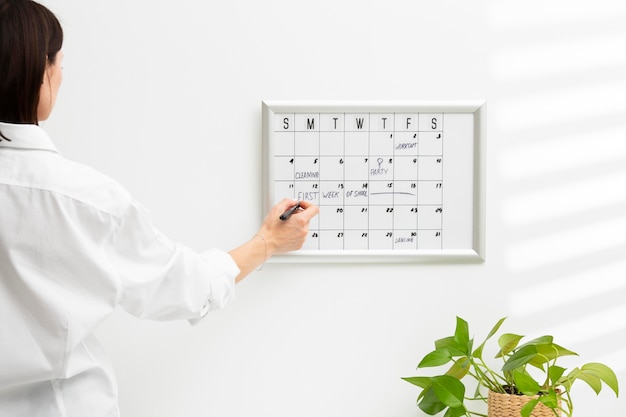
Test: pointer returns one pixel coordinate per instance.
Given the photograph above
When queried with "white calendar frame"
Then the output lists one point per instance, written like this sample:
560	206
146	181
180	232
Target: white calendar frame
473	231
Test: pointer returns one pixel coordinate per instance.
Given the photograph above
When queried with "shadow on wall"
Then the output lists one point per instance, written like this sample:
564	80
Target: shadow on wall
559	71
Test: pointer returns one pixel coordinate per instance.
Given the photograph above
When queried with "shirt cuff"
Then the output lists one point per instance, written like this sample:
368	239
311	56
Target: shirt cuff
222	285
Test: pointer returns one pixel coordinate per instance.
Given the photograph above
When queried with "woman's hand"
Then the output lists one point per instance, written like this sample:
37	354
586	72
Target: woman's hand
288	235
275	236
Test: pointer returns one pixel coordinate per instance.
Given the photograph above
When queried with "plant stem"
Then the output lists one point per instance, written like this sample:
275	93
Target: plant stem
482	379
489	379
570	406
547	383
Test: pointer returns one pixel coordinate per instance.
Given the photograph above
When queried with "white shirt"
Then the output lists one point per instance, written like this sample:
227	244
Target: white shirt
73	246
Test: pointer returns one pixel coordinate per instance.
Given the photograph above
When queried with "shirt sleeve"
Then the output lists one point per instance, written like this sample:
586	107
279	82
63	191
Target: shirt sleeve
163	280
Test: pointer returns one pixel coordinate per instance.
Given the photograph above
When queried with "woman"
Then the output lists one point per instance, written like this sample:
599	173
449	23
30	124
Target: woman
74	244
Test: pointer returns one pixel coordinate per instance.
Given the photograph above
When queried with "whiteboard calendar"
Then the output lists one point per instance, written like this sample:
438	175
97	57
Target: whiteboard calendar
392	180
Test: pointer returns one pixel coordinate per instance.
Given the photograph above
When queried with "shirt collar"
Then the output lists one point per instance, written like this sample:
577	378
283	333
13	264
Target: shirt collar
25	136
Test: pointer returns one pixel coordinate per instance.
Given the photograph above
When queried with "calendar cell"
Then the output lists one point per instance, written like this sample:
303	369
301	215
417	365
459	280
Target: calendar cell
405	167
430	192
381	239
307	143
331	218
381	143
283	189
429	239
332	193
381	217
356	217
331	239
382	122
356	143
307	122
284	122
332	122
331	143
356	167
308	191
381	168
312	241
407	122
430	168
306	168
357	122
284	143
284	168
430	122
431	143
405	239
430	217
405	217
356	193
381	193
405	193
356	239
331	168
406	143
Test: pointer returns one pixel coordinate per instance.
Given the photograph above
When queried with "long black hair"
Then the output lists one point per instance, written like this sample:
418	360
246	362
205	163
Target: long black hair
30	38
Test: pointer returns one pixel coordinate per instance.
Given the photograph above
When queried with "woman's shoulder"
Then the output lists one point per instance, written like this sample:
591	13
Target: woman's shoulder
90	186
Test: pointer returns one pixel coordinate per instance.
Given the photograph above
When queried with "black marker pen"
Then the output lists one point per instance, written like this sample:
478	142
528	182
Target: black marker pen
290	211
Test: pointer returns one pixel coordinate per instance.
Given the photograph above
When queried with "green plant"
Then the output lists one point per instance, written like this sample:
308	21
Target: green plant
540	355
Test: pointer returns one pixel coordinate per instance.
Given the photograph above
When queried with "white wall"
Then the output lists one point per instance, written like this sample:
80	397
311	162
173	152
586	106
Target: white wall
165	97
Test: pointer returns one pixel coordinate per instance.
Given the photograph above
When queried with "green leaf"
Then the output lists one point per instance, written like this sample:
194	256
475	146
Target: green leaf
552	351
507	343
550	399
449	390
521	357
461	333
452	345
543	340
538	361
495	328
456	412
528	408
459	368
420	381
592	380
525	383
564	352
592	371
430	404
555	373
478	353
546	351
435	358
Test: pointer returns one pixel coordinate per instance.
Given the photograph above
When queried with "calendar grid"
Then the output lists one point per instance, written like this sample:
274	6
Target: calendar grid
381	187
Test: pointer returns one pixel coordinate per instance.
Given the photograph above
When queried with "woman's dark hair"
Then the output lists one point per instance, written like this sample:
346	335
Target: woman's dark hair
30	36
